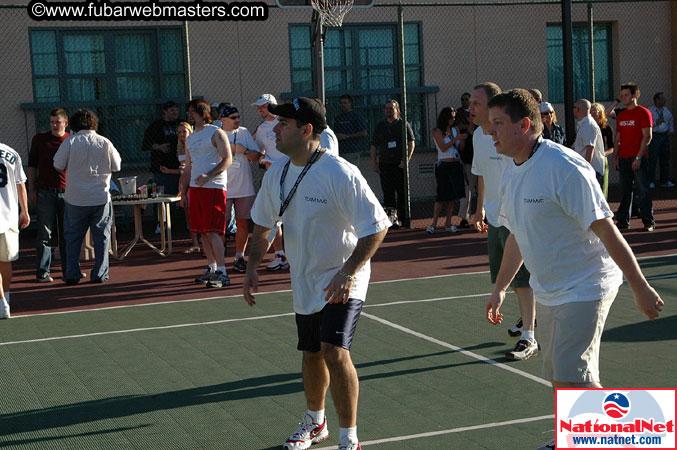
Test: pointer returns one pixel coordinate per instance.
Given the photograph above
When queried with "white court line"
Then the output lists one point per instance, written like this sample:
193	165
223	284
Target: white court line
452	430
460	350
282	291
215	322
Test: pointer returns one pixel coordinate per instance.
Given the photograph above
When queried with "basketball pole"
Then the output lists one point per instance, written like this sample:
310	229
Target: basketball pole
318	56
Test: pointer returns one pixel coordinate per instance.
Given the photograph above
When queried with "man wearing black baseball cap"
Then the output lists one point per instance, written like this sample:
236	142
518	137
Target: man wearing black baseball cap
326	204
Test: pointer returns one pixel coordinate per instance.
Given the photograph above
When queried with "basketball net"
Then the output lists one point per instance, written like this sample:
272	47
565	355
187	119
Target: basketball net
332	11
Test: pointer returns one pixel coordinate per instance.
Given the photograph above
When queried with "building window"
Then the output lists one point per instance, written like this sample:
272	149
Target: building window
363	61
603	62
121	74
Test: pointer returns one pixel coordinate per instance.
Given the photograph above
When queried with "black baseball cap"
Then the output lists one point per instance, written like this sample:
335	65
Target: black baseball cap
304	110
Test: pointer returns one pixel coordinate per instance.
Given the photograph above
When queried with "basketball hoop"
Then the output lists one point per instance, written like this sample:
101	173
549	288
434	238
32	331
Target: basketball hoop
332	11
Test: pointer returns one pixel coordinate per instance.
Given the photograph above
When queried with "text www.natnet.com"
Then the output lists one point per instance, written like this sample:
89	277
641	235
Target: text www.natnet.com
149	10
616	440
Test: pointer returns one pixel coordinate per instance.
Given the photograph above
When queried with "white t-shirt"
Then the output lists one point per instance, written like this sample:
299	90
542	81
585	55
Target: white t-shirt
265	139
452	152
204	157
588	133
332	208
89	160
240	180
329	141
11	174
549	203
489	165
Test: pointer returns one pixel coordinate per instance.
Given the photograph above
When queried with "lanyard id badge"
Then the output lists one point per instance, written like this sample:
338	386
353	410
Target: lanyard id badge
285	201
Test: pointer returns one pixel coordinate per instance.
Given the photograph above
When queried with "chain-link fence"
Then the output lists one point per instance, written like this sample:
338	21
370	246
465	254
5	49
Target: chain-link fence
125	70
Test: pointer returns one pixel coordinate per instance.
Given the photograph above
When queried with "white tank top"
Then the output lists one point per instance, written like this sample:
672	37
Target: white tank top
204	157
452	152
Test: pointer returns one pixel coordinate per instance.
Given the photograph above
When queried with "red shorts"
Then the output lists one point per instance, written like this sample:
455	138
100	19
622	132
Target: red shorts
207	210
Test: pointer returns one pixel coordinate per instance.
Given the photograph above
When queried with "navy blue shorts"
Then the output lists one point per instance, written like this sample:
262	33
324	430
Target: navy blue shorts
335	324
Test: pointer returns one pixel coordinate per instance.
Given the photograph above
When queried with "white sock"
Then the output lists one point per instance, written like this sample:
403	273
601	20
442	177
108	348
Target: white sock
348	435
212	267
7	297
318	416
528	335
279	253
239	255
221	269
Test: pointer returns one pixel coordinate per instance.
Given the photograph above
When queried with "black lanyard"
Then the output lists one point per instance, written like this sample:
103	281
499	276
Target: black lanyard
285	202
533	150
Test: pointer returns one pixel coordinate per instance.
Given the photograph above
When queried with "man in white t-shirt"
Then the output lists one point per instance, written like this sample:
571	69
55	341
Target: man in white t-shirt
12	196
333	226
589	142
265	139
241	193
553	206
489	167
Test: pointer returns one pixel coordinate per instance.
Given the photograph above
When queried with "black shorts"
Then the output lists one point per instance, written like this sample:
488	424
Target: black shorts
450	181
335	324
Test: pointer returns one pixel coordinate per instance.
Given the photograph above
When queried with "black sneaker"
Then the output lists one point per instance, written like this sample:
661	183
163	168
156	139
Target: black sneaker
516	330
240	265
524	349
218	279
202	279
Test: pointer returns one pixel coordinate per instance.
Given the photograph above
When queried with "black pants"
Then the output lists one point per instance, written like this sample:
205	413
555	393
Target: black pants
392	185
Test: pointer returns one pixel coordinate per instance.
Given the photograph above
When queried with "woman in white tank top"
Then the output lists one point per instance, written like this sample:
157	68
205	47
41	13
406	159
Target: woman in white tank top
449	169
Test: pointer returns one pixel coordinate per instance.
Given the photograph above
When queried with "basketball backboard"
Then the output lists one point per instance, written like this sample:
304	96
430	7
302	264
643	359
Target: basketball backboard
305	4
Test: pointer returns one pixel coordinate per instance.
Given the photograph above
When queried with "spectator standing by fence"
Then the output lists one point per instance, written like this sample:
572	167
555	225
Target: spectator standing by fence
351	129
659	149
46	188
597	112
89	160
387	156
589	142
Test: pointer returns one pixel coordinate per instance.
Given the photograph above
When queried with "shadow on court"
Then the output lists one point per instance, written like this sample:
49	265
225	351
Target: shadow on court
124	406
662	329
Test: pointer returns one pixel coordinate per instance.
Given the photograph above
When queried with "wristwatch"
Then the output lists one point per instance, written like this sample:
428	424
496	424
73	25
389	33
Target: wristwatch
637	158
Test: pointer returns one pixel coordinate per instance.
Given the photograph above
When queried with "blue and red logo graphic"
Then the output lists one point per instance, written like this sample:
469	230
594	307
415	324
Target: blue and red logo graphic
616	405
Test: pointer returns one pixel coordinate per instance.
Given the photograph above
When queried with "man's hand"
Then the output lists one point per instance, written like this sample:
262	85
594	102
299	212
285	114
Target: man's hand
24	219
202	179
477	221
375	168
250	283
164	148
614	162
338	289
649	302
493	305
635	164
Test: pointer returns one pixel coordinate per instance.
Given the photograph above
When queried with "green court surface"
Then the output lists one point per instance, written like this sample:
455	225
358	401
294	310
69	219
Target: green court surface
218	374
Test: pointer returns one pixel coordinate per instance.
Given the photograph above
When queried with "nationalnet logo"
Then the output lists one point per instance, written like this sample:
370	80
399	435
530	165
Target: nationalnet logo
608	419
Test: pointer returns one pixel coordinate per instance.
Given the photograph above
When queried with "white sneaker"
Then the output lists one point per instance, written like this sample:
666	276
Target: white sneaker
4	309
308	433
430	230
279	263
452	229
548	446
524	349
350	446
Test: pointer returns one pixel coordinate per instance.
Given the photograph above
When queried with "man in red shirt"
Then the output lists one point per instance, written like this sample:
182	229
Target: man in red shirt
46	187
631	151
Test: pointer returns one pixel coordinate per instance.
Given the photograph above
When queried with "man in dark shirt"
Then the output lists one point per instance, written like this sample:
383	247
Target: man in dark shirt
161	140
46	187
350	129
387	156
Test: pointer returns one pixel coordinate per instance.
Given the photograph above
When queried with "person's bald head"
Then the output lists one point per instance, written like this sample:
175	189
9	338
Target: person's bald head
581	108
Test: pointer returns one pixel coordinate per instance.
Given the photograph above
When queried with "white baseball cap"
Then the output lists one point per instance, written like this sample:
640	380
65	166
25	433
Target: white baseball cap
265	98
215	105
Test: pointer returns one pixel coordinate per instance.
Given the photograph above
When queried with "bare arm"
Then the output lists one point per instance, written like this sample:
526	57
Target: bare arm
410	149
220	141
24	218
510	264
258	247
588	152
338	289
184	180
646	298
617	141
478	217
439	140
374	161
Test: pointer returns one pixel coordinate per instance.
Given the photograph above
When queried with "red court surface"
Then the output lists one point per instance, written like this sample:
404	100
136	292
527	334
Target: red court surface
145	277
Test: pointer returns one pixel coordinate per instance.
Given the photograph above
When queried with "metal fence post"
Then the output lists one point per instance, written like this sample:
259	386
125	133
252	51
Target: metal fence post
591	49
406	221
